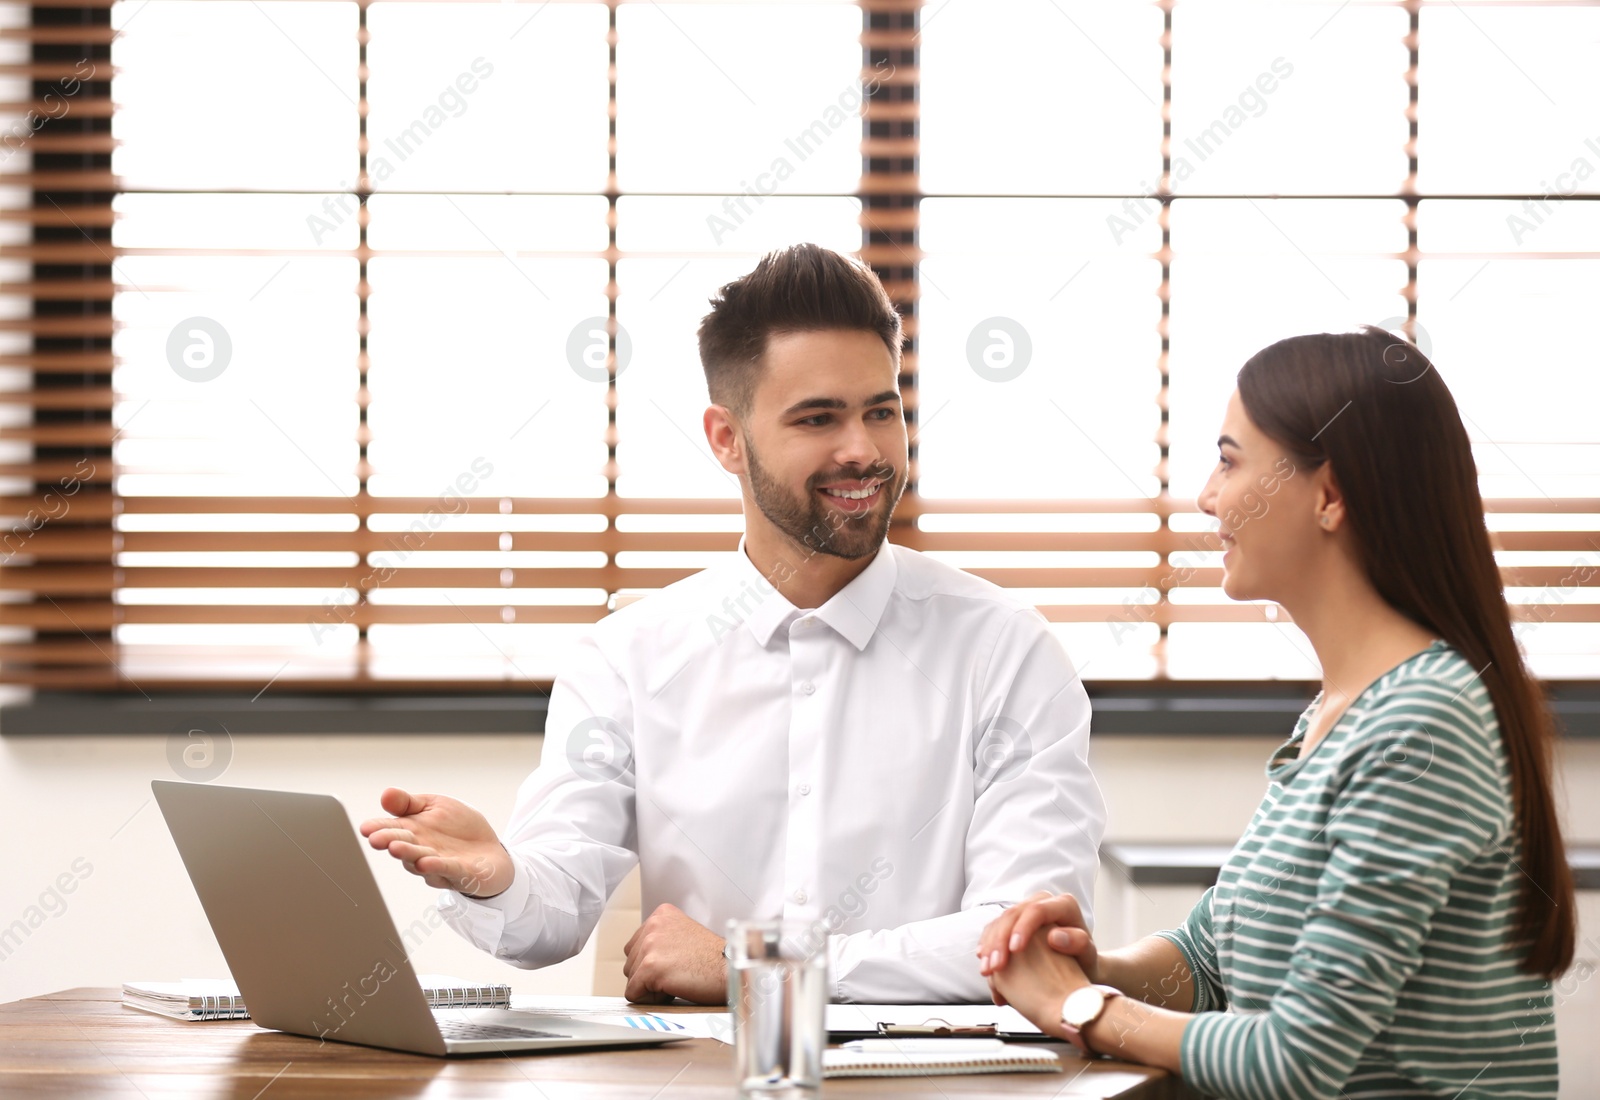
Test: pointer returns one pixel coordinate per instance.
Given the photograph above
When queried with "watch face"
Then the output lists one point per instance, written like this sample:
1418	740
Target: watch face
1082	1007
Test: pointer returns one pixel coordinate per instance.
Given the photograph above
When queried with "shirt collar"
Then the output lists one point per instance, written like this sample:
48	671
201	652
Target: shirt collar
854	611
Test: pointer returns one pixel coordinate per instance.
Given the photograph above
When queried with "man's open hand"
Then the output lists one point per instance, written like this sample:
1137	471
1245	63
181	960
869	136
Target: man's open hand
447	843
673	956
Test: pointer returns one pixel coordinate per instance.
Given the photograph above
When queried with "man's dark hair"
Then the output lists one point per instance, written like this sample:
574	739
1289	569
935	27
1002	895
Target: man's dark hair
802	288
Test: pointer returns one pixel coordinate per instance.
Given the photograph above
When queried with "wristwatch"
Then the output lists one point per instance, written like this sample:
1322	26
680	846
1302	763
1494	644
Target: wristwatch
1083	1007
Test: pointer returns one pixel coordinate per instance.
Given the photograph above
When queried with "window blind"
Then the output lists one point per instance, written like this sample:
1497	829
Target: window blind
372	366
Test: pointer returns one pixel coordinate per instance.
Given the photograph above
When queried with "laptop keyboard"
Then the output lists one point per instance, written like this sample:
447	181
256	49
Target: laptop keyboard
455	1030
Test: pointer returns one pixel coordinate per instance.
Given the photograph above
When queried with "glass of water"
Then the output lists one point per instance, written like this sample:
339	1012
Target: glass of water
777	993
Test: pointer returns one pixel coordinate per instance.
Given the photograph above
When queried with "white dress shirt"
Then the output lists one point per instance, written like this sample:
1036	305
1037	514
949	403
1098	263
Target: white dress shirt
901	763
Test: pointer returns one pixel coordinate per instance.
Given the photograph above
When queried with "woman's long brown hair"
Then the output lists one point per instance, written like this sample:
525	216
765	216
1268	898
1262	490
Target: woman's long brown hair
1373	405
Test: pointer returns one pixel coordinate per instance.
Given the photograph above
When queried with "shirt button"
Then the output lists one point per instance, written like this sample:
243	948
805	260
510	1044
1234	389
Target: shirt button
808	688
799	897
804	788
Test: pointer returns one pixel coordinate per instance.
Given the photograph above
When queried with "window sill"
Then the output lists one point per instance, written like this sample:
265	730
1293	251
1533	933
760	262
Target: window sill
1192	708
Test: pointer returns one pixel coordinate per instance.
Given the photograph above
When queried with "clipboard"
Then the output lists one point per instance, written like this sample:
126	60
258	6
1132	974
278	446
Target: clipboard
847	1021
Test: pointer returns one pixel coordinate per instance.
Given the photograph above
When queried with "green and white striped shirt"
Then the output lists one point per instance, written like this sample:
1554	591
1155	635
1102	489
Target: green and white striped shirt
1359	940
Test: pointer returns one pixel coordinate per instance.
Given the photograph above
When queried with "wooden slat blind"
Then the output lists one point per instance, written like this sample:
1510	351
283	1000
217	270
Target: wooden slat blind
67	569
58	507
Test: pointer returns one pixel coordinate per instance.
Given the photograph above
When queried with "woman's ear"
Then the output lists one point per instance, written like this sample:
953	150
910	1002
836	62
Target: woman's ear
1329	500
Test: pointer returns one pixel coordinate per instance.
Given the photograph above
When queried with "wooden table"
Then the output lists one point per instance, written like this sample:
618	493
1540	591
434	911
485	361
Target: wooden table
84	1043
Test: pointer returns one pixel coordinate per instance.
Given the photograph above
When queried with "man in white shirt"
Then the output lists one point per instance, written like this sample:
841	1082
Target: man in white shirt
828	725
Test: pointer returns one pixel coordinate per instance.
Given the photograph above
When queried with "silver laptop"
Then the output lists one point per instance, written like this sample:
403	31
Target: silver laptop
286	886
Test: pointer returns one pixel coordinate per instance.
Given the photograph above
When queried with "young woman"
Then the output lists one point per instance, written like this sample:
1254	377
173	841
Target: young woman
1391	920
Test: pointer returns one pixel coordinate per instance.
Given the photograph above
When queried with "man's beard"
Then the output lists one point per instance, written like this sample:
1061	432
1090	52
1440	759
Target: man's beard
814	526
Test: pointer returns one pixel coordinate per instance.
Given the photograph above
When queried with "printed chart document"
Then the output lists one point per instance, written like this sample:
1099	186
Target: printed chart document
616	1010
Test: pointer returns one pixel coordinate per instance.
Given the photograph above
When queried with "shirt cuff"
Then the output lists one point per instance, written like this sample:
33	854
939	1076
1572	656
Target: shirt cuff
1202	995
836	993
483	920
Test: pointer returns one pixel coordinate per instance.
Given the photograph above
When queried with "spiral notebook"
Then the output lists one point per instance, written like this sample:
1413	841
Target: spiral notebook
919	1057
218	999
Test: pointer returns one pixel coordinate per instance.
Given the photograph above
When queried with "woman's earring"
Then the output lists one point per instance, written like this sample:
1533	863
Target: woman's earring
1324	521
